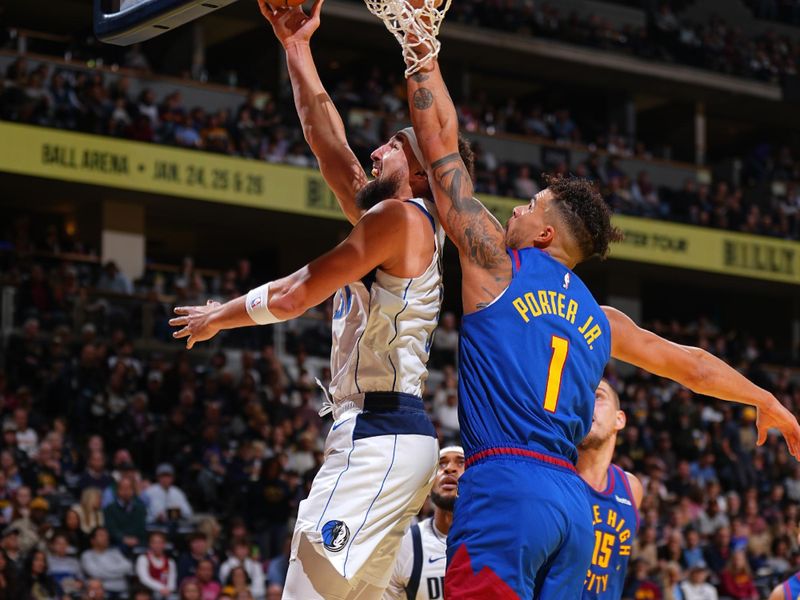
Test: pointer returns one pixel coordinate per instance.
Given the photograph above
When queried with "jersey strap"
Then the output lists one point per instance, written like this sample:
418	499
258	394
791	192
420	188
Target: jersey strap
416	570
426	213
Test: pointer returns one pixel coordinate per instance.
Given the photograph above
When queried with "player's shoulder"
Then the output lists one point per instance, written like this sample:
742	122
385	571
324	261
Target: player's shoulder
637	489
397	212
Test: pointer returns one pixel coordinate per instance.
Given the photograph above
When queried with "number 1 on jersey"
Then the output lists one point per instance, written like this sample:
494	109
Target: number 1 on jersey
560	350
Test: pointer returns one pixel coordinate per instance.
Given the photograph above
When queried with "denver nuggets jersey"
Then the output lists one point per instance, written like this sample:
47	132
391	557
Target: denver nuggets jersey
615	520
428	553
531	361
791	587
383	326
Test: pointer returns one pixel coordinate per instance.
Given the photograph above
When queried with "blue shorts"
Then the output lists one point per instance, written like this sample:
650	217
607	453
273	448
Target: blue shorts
522	528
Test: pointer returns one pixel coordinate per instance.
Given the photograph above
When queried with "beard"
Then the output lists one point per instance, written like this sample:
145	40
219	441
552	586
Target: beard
595	441
447	503
377	190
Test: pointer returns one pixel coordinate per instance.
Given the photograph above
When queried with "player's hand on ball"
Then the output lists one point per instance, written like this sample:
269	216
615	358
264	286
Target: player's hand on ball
290	23
195	322
779	417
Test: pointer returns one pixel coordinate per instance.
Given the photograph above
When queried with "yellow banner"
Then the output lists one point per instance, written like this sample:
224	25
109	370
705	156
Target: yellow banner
156	169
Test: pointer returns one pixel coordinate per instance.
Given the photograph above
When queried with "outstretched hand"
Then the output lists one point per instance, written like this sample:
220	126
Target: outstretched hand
779	417
292	25
195	323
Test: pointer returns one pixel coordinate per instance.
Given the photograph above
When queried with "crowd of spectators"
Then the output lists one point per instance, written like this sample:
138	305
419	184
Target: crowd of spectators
262	129
783	11
667	36
128	472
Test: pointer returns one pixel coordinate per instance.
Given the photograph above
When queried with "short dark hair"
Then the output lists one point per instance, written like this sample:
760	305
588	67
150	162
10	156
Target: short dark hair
586	214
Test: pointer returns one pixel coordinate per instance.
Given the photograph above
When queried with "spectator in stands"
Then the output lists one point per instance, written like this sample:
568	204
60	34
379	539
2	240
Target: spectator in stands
10	548
696	587
63	568
106	564
33	526
94	590
126	516
524	185
239	557
113	280
155	570
9	581
27	439
209	586
36	581
737	579
90	510
77	538
165	501
198	550
190	590
639	584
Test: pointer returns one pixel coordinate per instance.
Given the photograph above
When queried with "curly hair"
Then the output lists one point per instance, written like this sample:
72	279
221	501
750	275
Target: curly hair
585	213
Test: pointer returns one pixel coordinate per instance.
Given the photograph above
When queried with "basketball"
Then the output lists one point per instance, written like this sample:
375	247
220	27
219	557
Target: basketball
285	3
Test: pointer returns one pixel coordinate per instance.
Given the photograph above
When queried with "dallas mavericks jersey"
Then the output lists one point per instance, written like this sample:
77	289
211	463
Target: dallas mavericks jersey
383	326
421	564
530	363
615	520
791	587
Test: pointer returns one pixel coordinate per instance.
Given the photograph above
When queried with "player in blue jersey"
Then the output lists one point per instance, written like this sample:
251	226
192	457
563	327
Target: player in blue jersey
614	496
533	347
534	344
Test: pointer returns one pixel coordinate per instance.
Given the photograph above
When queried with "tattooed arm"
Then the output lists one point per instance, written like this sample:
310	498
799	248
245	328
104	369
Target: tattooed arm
480	239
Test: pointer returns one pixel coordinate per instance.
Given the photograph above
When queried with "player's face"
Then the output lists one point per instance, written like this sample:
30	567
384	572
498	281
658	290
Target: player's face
530	224
390	160
607	419
451	467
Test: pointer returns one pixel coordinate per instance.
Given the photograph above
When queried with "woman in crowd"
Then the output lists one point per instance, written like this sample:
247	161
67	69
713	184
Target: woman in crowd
737	578
37	583
89	510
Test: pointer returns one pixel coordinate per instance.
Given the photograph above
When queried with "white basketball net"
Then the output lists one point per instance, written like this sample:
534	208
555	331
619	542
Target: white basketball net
415	28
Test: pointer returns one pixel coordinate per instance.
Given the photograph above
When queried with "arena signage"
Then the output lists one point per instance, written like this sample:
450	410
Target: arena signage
706	249
163	170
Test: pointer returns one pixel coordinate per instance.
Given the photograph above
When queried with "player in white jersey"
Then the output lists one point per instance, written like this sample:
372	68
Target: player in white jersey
380	454
422	561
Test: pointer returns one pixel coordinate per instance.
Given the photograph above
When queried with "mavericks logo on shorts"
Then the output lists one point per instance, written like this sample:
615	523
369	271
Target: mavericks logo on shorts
335	535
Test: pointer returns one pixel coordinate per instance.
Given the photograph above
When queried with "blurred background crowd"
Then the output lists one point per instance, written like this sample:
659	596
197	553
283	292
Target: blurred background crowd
112	451
130	468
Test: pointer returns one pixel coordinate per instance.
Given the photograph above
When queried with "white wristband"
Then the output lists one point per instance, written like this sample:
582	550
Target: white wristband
257	305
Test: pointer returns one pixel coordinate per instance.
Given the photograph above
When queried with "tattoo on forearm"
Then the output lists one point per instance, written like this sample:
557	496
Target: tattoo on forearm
479	234
423	99
419	77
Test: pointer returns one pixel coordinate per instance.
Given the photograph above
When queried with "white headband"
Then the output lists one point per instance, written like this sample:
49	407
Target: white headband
448	449
411	137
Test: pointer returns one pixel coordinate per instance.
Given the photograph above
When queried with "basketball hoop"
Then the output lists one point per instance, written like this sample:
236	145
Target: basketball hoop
415	28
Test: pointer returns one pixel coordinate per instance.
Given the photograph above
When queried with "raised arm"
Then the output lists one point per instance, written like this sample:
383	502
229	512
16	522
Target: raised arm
701	372
372	243
480	239
322	125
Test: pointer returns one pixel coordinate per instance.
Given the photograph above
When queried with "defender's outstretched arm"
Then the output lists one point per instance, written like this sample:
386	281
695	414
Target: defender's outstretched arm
372	243
322	125
480	239
701	372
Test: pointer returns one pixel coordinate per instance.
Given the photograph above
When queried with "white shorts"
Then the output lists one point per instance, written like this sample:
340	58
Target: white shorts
379	467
